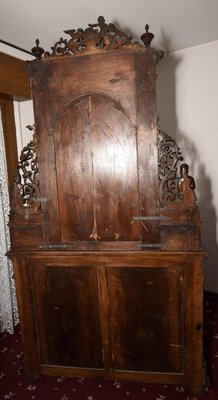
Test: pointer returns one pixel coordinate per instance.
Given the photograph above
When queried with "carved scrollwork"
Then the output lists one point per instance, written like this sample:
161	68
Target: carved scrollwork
59	49
169	155
97	37
27	178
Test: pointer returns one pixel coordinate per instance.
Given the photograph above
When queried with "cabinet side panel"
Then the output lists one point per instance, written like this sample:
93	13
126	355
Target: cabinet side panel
42	101
31	361
147	143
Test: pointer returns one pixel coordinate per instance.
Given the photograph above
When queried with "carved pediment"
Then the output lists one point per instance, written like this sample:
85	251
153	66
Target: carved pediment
96	38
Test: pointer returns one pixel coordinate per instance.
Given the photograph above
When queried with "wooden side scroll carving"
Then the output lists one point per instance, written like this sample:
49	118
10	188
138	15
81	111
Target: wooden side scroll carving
26	186
169	156
26	218
176	193
179	216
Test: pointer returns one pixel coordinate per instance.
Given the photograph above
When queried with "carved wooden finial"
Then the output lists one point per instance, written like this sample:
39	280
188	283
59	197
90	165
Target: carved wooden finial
147	37
37	50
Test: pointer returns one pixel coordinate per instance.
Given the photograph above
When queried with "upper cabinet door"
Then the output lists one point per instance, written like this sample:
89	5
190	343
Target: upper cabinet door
97	173
98	159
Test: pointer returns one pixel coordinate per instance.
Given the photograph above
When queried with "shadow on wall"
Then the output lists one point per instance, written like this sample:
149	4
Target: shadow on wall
166	109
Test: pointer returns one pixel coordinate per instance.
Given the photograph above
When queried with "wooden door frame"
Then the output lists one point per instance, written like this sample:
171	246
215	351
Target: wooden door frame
8	123
14	85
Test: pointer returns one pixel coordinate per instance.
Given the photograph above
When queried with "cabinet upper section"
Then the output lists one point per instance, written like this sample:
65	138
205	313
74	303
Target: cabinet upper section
104	176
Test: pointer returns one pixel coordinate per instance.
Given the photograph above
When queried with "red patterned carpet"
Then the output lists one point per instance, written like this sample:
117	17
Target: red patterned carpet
13	385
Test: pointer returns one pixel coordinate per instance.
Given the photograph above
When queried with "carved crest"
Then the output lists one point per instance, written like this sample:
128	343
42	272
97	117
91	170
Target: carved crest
97	37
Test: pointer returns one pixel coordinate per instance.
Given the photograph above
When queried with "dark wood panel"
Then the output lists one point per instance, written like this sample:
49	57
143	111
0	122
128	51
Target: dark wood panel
14	79
98	197
71	78
74	162
31	359
67	315
146	319
8	122
147	143
193	323
114	146
46	155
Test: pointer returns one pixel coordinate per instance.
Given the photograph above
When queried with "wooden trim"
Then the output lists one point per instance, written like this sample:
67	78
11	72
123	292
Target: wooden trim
14	84
14	80
8	122
150	377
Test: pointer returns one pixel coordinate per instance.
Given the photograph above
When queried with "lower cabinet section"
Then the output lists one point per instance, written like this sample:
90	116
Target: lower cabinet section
132	315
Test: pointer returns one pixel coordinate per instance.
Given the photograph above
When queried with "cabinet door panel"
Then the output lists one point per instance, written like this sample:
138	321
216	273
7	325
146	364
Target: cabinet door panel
67	314
75	173
97	146
115	170
146	318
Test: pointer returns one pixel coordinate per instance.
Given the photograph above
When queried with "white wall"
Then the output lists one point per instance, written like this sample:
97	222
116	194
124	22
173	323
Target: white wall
23	116
187	101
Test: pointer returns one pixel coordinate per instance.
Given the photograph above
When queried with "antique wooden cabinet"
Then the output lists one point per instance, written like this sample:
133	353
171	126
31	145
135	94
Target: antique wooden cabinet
105	231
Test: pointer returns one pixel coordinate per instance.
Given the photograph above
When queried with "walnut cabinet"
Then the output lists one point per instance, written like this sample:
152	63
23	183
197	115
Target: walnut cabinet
105	231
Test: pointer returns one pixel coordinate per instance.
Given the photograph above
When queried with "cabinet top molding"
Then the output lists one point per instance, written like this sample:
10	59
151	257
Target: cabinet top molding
96	38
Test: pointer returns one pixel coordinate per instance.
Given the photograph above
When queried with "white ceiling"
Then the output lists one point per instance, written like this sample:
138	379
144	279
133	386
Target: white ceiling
176	24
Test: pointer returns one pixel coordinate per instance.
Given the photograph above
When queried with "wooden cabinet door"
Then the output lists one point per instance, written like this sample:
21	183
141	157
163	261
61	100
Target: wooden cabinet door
97	172
67	313
145	315
146	308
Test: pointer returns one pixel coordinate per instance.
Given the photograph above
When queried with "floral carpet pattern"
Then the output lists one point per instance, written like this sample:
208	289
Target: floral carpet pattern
14	385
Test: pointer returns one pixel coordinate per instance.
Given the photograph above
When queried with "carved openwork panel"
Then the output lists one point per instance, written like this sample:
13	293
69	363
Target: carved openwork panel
27	178
97	37
176	189
169	156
